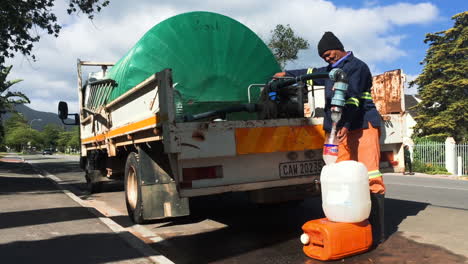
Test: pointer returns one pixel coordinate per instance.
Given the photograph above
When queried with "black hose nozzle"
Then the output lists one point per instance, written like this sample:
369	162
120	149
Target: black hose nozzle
278	84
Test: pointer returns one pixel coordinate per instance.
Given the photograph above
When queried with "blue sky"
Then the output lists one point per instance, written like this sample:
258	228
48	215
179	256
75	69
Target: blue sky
385	34
413	43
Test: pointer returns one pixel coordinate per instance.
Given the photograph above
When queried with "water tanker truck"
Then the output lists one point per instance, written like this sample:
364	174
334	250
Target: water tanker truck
187	112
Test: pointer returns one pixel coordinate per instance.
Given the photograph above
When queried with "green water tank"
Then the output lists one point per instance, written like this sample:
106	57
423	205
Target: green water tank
213	59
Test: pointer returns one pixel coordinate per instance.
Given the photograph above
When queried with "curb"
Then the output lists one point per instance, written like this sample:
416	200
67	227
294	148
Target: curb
423	175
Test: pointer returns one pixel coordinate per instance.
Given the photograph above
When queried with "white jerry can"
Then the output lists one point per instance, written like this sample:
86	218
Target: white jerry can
345	192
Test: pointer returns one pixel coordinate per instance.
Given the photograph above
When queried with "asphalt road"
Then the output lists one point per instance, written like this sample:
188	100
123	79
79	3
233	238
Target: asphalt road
425	222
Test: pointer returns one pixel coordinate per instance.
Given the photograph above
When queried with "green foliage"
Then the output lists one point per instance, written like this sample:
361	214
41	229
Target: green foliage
432	138
69	140
19	136
50	135
285	44
16	121
22	138
23	22
8	98
74	141
443	84
428	168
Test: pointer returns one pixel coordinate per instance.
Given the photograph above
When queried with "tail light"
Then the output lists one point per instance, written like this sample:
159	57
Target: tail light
199	173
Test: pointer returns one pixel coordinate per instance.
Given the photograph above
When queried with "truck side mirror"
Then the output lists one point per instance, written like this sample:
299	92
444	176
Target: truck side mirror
76	119
62	110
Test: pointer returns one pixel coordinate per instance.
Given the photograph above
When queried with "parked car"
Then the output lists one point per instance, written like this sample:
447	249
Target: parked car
47	152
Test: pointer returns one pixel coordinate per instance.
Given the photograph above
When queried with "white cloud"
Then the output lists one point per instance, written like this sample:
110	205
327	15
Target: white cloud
410	90
404	13
369	31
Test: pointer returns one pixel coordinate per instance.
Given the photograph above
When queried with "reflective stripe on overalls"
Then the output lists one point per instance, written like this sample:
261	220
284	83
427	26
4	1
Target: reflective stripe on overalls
310	82
374	174
355	101
366	95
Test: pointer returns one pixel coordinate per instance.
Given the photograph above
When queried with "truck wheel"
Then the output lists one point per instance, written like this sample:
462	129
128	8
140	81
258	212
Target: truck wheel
133	189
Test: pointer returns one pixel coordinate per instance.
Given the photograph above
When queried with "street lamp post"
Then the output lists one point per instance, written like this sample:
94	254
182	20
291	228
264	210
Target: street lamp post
30	125
37	119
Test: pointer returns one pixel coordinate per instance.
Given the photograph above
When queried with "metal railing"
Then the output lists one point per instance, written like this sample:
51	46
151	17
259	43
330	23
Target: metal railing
430	152
461	151
435	154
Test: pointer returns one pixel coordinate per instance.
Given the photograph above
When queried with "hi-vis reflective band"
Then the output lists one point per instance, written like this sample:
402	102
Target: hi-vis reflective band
353	101
366	95
283	138
374	174
309	71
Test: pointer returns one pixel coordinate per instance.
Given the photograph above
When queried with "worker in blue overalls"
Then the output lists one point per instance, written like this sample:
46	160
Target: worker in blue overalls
359	127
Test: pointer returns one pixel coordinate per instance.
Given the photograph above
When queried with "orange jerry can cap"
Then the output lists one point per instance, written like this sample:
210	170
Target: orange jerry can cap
327	240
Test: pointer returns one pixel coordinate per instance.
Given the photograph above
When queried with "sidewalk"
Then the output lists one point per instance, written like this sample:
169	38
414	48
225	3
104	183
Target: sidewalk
41	224
418	174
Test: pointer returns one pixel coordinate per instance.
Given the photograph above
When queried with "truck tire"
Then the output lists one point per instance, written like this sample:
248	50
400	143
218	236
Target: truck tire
133	189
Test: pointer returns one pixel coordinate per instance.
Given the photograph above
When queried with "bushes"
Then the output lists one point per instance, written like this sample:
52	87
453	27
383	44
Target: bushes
428	168
429	156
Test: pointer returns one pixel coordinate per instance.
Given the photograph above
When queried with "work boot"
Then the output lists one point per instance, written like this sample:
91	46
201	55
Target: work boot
377	218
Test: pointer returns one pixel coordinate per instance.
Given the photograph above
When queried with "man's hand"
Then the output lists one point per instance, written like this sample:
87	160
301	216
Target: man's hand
341	135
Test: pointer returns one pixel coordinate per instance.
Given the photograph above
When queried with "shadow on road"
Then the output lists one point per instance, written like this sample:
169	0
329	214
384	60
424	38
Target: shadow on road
43	216
83	248
270	234
398	210
60	167
13	185
17	168
72	177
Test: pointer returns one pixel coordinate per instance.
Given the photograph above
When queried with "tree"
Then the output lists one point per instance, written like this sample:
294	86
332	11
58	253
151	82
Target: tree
18	134
63	140
50	135
69	140
74	142
24	21
285	44
20	139
8	98
16	121
443	83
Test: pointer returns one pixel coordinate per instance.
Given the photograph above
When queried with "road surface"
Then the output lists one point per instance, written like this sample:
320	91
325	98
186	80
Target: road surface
425	222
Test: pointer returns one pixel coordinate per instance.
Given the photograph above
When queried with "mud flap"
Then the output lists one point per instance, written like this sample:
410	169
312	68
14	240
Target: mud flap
159	193
95	176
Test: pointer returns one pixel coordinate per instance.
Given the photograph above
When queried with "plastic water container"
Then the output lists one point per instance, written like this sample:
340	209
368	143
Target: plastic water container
345	192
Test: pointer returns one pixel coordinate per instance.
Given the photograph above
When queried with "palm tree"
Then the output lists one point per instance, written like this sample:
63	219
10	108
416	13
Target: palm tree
8	99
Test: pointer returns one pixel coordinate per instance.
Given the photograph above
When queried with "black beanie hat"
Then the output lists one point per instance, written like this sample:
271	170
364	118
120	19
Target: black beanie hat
329	42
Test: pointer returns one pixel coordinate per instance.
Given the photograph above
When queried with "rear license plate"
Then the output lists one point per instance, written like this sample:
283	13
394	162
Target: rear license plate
300	168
